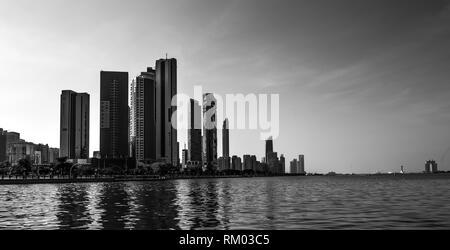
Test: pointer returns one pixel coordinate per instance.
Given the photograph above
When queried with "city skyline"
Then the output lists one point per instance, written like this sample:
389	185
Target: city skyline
378	89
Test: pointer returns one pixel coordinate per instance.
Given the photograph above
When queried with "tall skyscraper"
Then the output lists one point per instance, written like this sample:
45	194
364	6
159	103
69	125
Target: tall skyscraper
236	163
209	130
143	116
269	148
226	139
184	157
74	126
294	166
114	123
301	164
195	132
226	144
283	164
166	90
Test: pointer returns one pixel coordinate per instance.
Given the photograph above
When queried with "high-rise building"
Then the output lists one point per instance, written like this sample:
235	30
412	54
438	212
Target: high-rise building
294	166
143	116
114	109
431	167
236	163
269	148
226	138
226	144
3	148
301	164
74	125
283	164
185	156
247	162
166	90
195	131
273	162
209	130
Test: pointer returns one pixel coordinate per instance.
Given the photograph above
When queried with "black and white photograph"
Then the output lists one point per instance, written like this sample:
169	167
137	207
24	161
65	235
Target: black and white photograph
224	116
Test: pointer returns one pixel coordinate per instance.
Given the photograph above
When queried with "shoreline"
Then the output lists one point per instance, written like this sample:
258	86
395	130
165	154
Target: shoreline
47	180
32	181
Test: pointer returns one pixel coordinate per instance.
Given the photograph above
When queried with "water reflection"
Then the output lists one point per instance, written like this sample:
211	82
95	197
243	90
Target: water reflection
258	203
73	212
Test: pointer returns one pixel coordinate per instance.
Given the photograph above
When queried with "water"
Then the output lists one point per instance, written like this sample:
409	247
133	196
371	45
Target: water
377	202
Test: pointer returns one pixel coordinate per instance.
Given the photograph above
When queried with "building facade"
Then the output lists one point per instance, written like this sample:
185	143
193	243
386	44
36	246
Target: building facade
166	89
74	125
114	124
236	163
195	131
269	148
143	116
209	130
301	164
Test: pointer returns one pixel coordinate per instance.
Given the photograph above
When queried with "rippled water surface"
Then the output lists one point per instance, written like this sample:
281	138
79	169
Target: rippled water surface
405	202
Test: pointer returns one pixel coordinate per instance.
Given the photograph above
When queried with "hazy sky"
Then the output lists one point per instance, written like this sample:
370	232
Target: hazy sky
364	85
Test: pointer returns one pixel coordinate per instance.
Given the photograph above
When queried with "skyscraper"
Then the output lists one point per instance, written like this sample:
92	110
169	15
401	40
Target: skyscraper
236	163
114	123
166	90
226	144
74	126
283	164
294	166
269	148
301	164
195	132
209	130
143	116
226	139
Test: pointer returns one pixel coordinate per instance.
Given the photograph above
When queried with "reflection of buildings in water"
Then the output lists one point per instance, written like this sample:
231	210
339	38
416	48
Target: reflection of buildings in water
114	203
204	201
157	208
73	210
270	204
183	203
225	203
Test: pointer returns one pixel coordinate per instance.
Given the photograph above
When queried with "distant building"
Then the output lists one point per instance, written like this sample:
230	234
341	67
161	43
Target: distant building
273	163
254	162
143	116
114	131
301	164
6	139
74	125
246	163
269	148
236	163
283	164
209	130
294	166
185	158
166	89
21	150
226	138
431	167
53	155
195	131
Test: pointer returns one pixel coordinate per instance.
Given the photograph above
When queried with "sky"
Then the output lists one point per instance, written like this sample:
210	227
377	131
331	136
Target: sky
363	84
